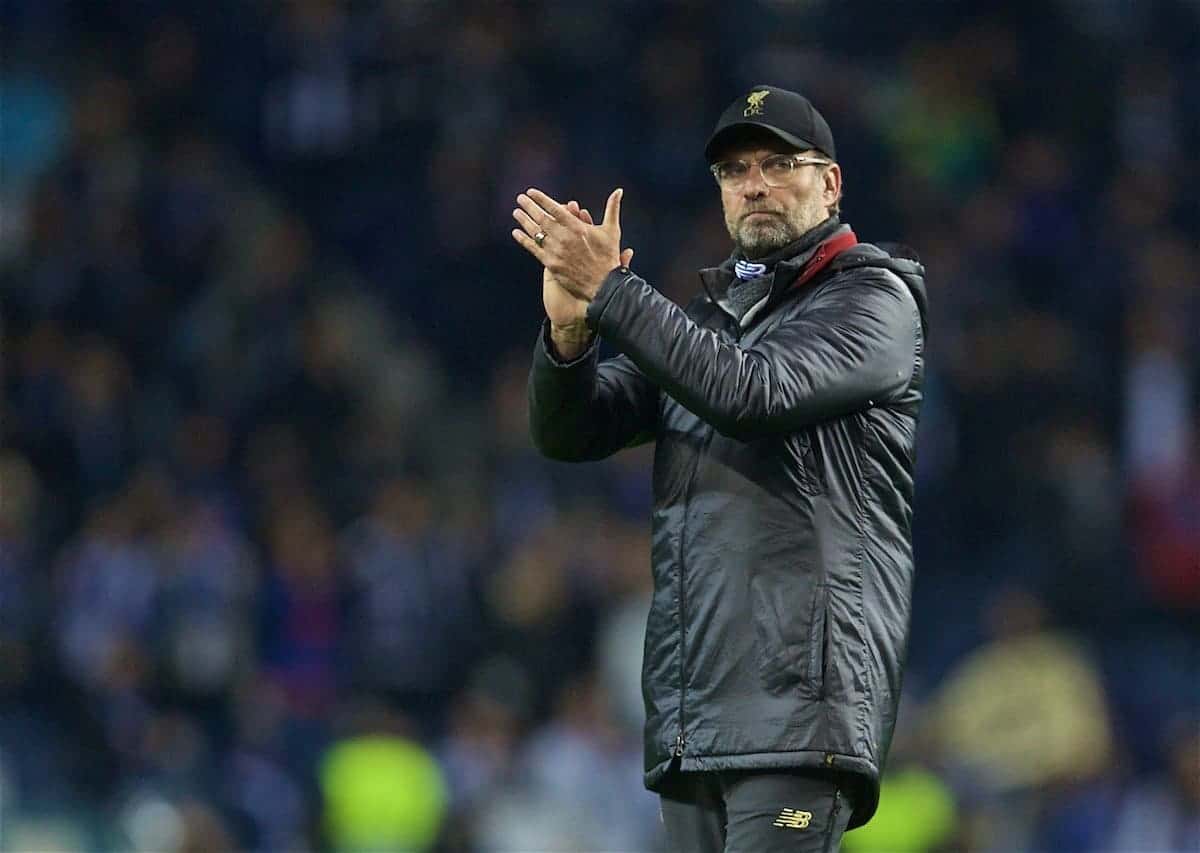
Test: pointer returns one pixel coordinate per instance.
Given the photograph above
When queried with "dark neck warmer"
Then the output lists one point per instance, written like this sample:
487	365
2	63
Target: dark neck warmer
743	295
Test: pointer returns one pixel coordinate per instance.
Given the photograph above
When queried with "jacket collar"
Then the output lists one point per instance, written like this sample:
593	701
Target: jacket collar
794	265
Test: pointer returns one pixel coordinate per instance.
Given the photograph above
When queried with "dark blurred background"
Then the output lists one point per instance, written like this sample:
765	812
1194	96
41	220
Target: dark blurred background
279	567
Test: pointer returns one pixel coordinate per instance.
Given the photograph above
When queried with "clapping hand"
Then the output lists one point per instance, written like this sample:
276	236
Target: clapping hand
577	254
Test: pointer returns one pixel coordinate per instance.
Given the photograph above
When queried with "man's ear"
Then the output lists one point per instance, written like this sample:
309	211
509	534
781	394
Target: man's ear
833	184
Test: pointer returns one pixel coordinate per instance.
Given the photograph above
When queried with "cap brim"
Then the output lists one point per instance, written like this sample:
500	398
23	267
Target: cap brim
725	134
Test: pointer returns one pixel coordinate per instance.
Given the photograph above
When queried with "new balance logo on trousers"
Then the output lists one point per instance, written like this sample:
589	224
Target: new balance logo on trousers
743	811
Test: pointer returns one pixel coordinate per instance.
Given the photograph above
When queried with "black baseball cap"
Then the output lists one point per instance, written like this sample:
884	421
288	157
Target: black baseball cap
787	114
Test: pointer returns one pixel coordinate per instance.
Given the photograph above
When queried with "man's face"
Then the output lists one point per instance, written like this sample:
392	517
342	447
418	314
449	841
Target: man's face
762	219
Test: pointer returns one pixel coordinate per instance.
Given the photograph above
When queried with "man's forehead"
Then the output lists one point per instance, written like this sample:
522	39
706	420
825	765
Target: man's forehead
755	152
758	145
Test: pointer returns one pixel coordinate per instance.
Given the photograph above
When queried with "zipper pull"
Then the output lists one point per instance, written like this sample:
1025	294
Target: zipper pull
678	752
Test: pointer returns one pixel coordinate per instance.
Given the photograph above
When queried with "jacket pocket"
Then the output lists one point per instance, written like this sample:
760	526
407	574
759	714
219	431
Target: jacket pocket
790	628
809	460
819	639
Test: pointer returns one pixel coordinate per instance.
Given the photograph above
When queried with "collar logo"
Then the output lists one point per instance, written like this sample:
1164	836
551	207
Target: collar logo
793	819
754	103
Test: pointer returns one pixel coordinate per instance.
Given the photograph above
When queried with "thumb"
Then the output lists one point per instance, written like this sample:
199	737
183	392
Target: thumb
626	257
612	210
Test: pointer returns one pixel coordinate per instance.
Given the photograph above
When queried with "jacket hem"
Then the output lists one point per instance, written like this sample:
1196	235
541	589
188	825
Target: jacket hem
865	803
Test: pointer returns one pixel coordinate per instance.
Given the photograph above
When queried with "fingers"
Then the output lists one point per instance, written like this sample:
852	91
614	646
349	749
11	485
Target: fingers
626	257
557	211
526	222
526	243
581	213
612	210
537	213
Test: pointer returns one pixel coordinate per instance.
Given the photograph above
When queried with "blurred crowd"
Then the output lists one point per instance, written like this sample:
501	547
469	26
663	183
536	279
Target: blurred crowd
279	567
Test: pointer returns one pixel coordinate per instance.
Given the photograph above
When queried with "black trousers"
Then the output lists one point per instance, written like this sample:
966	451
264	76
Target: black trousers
754	811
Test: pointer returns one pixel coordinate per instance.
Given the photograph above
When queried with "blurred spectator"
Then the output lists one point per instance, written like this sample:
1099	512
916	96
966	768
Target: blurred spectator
485	728
540	606
1026	709
1021	718
412	614
582	762
1161	434
302	611
309	108
262	780
110	582
623	552
1164	814
152	823
206	601
574	784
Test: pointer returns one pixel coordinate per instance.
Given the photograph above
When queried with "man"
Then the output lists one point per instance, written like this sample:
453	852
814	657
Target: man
784	405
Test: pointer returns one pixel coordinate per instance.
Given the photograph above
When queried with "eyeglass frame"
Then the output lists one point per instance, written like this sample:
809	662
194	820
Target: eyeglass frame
796	159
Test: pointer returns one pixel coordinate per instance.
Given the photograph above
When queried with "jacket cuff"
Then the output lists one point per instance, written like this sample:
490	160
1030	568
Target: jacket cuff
613	282
547	348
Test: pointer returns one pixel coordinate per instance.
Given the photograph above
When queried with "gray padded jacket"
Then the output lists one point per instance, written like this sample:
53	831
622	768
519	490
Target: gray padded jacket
783	485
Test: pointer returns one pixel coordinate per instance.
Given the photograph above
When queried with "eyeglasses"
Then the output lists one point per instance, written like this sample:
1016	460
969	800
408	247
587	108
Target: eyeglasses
777	170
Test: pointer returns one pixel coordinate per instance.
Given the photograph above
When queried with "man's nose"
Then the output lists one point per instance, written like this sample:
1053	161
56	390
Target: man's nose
755	186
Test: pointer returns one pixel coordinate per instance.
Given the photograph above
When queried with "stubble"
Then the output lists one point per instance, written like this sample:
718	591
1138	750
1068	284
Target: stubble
757	236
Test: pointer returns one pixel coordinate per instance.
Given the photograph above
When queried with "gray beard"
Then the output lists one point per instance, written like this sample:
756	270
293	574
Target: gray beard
759	241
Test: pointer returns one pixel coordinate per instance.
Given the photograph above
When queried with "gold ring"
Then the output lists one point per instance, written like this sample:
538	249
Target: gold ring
539	238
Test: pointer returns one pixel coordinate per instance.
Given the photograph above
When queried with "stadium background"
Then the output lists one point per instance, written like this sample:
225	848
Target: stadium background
279	568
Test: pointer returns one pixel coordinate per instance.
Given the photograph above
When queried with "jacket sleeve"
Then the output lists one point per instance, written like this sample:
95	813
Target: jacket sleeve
586	409
853	346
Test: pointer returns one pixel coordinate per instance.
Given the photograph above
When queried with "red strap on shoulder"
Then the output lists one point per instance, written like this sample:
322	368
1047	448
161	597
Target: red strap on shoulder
825	253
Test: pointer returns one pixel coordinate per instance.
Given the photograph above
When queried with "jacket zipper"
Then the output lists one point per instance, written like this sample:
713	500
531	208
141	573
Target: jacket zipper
679	739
